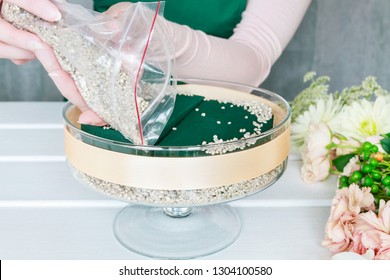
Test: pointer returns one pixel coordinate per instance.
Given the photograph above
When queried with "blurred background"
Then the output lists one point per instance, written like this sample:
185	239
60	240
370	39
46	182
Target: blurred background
346	40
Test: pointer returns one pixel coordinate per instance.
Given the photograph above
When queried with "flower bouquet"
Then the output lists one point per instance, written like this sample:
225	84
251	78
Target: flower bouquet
348	134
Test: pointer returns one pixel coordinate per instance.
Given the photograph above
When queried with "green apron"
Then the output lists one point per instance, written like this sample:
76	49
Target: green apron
214	17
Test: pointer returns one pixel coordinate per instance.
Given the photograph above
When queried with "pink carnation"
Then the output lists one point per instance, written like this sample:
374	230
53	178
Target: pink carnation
340	232
375	230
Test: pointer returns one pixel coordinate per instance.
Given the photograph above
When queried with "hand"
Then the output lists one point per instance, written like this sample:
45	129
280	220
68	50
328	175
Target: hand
22	46
17	45
116	10
64	81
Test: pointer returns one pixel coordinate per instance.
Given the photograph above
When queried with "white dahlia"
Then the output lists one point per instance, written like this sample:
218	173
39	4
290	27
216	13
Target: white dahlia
363	120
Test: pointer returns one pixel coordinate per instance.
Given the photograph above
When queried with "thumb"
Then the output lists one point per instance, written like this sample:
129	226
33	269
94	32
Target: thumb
90	117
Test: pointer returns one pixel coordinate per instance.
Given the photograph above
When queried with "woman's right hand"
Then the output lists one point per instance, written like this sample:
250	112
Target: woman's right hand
19	45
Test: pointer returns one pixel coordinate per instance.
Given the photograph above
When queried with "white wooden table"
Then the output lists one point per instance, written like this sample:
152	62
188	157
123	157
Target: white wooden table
46	214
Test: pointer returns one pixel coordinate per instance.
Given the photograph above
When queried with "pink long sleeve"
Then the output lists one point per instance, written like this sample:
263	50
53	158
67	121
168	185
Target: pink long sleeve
247	56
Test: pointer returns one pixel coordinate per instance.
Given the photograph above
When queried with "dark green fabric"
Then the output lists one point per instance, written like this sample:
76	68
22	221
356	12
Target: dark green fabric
184	105
193	121
214	17
210	118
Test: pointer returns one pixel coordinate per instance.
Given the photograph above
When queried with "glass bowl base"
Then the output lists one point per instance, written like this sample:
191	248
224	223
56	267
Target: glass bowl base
177	233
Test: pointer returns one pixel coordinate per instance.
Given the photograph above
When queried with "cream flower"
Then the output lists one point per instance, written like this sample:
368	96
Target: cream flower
363	119
323	111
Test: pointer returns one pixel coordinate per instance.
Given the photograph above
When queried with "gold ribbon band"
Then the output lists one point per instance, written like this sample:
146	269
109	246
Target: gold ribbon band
169	173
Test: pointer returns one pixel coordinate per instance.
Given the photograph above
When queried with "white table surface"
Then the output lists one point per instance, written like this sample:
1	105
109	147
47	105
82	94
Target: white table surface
46	214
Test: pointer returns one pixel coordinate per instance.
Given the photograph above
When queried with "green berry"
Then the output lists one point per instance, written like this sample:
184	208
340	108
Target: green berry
367	181
343	179
386	180
356	176
374	189
366	146
373	162
376	175
343	185
387	190
366	168
366	155
374	149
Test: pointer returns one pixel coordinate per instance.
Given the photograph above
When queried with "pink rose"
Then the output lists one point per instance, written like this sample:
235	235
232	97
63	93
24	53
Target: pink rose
316	140
316	170
315	155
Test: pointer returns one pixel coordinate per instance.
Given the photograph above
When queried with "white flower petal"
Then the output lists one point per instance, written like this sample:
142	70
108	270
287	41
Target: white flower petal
323	111
363	119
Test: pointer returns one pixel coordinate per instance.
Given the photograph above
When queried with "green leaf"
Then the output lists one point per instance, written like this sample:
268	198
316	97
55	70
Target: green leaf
385	142
341	161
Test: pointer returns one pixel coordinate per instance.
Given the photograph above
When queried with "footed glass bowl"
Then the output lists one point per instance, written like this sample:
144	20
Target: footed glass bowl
177	193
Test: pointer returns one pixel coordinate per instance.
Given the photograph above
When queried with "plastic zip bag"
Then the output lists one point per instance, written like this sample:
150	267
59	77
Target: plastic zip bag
122	66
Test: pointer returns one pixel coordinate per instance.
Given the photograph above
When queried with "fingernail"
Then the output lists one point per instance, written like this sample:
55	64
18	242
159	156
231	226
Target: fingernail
54	75
55	15
35	46
81	122
90	121
84	120
87	122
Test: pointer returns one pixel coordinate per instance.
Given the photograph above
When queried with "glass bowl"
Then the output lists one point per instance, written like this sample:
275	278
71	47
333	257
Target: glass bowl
178	194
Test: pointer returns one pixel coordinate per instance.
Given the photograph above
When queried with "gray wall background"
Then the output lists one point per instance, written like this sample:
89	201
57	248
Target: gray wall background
344	39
